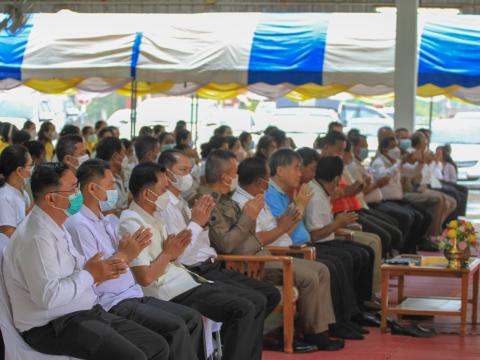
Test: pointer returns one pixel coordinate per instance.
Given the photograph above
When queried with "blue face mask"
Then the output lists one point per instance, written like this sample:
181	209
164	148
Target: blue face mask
76	203
363	153
405	144
111	202
167	147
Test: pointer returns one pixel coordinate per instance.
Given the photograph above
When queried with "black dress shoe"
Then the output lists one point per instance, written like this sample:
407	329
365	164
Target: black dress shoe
357	328
367	320
324	343
414	331
343	331
299	346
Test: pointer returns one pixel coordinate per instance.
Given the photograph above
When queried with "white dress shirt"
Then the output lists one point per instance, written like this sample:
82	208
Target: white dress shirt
265	220
14	204
381	167
358	172
319	211
175	280
92	235
44	273
177	217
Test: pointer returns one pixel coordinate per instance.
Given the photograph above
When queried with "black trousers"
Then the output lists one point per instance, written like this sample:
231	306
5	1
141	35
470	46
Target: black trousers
215	271
460	193
241	320
178	324
387	229
96	334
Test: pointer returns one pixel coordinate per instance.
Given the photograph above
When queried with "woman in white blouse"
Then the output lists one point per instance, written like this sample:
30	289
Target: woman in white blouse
449	168
15	168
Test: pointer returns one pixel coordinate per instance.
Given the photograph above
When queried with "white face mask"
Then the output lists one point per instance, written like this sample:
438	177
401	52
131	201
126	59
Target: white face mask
394	153
162	201
234	183
82	159
182	183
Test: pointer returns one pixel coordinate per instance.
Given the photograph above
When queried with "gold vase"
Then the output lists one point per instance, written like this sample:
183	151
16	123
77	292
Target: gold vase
455	258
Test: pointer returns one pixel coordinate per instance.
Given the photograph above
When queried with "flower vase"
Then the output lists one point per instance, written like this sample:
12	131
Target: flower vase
457	259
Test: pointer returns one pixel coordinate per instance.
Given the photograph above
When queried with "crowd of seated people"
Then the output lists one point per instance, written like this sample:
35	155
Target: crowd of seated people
113	244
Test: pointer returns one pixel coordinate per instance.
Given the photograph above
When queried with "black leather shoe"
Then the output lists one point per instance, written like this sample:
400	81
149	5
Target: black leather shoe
357	328
414	331
343	331
366	319
276	344
300	346
324	343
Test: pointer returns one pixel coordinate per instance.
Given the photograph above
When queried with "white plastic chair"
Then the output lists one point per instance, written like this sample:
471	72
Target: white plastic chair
15	347
213	347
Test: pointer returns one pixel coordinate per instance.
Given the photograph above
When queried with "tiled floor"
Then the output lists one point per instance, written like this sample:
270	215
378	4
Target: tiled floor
447	345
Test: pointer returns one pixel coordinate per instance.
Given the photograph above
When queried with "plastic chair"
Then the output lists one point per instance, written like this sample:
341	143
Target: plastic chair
15	347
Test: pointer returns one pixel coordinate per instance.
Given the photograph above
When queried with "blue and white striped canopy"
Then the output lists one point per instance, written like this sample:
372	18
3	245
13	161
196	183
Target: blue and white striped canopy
272	54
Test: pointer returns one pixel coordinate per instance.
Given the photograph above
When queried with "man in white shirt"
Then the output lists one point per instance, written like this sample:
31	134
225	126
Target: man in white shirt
112	150
179	325
200	256
162	276
52	288
71	150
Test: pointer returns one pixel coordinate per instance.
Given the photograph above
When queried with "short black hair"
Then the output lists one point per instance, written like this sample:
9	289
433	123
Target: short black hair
400	129
126	143
231	140
251	169
221	130
27	124
66	145
216	165
354	136
46	177
168	158
328	168
308	155
263	144
319	142
282	157
180	135
70	129
143	175
85	129
181	123
35	148
113	128
100	124
158	129
145	130
163	135
144	144
244	136
91	170
215	142
385	143
269	129
334	124
12	157
107	147
334	136
21	137
101	133
280	136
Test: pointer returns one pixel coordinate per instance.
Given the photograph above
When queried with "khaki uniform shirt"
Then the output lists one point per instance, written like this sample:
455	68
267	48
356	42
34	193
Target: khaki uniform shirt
232	232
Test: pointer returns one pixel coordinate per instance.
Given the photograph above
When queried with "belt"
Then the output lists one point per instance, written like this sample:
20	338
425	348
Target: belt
210	260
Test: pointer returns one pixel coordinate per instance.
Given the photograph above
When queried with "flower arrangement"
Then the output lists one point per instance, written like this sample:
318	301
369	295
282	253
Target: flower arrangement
461	231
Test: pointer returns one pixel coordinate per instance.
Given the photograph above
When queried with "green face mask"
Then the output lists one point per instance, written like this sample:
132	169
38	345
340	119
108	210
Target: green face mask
76	203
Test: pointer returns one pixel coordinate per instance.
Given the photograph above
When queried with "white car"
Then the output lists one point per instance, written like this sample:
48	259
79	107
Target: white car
302	124
462	133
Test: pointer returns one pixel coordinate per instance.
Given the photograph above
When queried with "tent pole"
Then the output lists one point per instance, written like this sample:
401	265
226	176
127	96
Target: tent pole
430	114
133	109
196	120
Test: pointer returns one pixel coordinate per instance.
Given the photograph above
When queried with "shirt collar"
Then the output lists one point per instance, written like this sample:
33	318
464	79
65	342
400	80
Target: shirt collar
241	192
58	230
143	214
277	187
320	187
173	199
90	215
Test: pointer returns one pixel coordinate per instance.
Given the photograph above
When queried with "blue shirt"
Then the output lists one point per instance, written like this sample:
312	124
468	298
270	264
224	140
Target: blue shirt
278	201
91	235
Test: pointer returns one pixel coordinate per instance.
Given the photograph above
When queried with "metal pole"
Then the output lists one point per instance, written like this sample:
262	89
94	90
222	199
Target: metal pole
430	114
406	59
196	120
133	109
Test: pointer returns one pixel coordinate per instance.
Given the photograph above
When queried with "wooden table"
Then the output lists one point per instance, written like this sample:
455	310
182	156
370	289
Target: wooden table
431	267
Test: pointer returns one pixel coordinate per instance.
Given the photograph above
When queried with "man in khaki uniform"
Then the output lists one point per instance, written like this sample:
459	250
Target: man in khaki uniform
232	231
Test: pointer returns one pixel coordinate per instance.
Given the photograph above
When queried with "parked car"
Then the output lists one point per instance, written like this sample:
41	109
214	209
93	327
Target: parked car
462	133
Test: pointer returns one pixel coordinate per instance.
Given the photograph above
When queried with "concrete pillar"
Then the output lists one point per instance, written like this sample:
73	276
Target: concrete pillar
406	63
